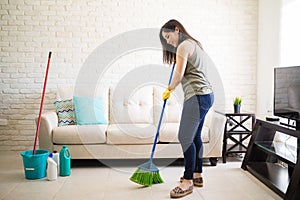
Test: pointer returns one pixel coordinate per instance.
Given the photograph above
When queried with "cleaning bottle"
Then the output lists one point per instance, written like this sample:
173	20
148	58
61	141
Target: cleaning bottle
52	168
56	159
64	161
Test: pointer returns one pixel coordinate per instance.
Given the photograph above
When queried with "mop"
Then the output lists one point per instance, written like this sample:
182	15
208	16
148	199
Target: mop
147	173
41	105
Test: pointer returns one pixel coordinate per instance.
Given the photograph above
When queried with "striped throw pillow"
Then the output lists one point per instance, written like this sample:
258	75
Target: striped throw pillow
65	112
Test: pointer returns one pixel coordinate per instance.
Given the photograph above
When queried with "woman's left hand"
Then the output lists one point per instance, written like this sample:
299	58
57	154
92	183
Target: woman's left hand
167	94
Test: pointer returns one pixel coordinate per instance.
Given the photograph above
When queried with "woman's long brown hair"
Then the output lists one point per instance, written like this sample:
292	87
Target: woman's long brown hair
169	52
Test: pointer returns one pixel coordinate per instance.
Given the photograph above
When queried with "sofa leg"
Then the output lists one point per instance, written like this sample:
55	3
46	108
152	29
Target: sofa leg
213	161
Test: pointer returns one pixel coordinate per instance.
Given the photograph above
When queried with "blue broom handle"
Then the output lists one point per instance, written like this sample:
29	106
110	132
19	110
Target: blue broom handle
161	117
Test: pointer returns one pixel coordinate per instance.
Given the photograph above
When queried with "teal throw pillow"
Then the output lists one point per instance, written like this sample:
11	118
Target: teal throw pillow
89	110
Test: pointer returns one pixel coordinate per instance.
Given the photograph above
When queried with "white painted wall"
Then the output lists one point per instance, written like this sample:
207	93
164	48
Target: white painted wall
278	45
290	32
268	54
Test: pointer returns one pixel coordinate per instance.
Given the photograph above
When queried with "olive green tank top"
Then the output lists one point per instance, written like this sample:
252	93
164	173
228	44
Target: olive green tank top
194	81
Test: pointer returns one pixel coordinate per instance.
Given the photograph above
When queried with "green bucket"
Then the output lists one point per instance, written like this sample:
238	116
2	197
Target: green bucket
35	165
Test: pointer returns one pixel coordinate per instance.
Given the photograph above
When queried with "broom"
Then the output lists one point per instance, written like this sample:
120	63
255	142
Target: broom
147	173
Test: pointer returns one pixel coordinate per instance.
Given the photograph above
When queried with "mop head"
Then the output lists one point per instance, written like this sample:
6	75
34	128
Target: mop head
146	174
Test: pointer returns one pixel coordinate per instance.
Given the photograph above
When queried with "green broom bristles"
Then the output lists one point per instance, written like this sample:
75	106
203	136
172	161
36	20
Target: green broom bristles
147	175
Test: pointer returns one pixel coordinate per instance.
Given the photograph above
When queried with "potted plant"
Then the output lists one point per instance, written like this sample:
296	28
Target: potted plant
237	104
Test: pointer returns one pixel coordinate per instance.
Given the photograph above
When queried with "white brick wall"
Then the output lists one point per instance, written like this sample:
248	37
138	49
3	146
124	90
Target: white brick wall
72	29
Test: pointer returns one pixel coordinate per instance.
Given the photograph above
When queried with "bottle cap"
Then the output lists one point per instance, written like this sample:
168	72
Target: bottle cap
51	155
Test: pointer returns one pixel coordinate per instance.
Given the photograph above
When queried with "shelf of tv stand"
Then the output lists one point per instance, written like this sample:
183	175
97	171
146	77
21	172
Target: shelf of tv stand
280	150
276	177
274	163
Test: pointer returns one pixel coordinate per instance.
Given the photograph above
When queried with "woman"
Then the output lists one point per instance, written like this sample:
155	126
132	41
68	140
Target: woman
198	99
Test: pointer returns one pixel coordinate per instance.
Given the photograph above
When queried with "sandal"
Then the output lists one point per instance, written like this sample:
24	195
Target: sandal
198	182
177	192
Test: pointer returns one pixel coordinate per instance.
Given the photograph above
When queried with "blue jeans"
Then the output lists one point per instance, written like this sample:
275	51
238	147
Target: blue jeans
191	124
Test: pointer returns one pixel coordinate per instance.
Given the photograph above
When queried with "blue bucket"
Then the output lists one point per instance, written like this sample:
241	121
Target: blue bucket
35	165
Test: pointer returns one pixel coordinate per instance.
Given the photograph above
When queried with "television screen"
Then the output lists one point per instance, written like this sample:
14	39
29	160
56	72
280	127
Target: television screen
287	92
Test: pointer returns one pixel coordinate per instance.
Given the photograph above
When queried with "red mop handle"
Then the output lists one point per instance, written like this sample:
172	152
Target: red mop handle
41	106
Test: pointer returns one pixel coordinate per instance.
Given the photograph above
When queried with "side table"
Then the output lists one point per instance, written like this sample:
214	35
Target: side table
237	131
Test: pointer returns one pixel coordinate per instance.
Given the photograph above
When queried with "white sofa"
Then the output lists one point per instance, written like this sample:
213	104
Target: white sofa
131	128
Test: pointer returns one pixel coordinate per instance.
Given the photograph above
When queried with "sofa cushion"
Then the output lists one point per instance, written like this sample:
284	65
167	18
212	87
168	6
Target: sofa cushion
86	134
169	133
65	112
136	107
131	134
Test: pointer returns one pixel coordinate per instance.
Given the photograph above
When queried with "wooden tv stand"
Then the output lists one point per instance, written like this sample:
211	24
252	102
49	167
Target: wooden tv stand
274	163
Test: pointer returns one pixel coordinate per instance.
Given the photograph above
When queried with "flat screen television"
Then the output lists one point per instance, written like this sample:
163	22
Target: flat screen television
287	93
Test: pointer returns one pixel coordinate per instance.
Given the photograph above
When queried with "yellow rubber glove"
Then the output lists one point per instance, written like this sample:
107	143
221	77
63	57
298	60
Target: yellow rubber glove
167	94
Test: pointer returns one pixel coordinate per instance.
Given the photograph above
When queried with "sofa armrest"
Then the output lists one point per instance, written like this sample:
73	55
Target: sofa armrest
49	121
216	127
